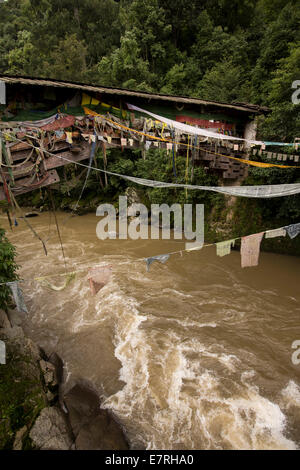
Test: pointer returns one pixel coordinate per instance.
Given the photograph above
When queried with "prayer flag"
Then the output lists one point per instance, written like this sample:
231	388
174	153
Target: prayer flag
98	277
293	230
69	137
224	248
250	248
278	232
160	258
18	296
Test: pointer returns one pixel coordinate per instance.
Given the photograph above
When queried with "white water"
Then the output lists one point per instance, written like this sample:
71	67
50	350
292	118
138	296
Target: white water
195	354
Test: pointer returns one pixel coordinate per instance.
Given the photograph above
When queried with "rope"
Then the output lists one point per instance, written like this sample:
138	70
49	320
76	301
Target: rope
187	167
184	250
57	227
247	162
161	184
18	164
27	223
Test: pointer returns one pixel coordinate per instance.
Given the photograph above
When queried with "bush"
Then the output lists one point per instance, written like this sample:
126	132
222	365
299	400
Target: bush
8	268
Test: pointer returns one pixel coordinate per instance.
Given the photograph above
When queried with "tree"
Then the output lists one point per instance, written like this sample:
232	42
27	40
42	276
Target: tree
274	47
224	82
283	124
125	66
8	271
67	61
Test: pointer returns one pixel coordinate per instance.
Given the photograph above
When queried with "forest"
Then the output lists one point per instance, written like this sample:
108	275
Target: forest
245	51
224	50
232	51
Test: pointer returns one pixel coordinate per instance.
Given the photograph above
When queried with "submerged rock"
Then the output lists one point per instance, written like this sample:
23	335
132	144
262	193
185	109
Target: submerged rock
31	381
31	214
93	427
101	433
83	404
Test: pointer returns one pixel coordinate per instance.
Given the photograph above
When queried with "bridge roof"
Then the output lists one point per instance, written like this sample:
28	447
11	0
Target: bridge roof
122	92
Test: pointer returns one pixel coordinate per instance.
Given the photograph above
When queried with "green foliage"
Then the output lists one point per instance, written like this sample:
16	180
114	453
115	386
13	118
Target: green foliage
8	268
21	394
226	81
67	60
126	66
222	50
274	46
284	122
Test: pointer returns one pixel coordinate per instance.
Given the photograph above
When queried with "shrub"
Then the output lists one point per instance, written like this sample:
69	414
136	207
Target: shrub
8	268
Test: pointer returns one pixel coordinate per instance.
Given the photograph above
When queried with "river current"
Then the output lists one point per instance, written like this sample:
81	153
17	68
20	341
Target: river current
194	354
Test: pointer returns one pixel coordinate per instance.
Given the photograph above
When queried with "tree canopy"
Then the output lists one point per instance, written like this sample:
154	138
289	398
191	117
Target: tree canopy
237	50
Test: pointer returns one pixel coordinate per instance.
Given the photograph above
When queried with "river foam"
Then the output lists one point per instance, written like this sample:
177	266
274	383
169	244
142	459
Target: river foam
171	398
192	355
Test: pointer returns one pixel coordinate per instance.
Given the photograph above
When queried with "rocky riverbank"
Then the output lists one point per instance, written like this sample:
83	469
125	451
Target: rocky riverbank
38	410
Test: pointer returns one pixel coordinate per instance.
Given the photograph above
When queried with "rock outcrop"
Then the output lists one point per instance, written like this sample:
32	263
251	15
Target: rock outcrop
93	427
22	392
35	414
50	431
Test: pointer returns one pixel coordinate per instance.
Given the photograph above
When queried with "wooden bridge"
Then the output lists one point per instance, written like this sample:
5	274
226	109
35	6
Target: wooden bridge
26	168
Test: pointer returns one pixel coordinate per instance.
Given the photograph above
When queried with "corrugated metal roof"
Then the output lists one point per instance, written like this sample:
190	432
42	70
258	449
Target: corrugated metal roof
244	107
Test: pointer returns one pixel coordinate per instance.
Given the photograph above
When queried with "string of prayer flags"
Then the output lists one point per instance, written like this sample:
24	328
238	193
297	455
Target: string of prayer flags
160	258
293	230
277	232
18	296
98	277
250	248
224	248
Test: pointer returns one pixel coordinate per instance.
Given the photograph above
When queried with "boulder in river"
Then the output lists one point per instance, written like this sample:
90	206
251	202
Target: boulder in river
93	427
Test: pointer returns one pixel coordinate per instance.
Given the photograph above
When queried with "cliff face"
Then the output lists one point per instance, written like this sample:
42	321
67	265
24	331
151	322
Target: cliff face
28	385
33	412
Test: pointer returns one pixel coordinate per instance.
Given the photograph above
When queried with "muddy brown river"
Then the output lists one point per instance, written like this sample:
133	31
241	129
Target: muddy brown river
194	354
